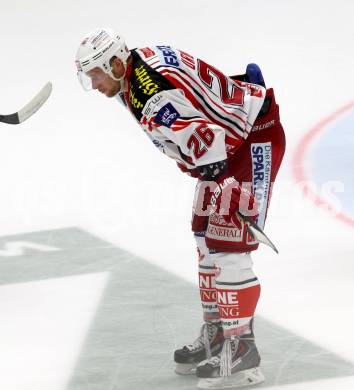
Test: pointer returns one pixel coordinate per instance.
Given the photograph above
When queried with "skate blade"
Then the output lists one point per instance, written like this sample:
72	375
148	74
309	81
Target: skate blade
185	369
243	378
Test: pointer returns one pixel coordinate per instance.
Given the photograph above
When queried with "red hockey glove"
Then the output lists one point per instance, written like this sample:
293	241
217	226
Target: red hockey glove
190	172
230	198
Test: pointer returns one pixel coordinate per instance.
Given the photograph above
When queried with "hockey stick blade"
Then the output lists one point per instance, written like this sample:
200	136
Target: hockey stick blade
29	109
258	233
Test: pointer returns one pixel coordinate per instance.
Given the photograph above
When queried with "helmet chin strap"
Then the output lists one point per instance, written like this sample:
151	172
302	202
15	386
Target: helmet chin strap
120	79
121	82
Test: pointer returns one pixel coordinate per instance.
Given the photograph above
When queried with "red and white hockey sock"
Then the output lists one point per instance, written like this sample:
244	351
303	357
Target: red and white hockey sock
238	291
207	282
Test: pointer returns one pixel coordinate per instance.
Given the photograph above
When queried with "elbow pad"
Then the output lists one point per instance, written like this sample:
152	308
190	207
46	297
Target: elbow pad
213	171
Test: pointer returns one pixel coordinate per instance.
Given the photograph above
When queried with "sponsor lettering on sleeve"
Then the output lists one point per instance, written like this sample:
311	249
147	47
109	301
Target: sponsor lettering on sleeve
151	104
167	56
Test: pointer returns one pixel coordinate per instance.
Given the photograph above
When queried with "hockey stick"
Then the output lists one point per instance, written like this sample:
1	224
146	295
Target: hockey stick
30	108
257	232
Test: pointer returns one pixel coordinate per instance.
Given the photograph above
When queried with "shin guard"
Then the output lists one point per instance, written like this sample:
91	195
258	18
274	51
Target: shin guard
237	290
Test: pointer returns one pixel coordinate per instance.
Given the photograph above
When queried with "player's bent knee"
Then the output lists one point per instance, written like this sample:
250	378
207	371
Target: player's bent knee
233	267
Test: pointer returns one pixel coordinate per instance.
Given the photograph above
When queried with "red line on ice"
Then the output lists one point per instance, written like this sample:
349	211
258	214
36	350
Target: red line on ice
298	160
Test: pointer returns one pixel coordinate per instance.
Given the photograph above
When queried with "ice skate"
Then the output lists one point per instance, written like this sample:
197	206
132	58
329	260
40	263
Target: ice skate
237	365
207	345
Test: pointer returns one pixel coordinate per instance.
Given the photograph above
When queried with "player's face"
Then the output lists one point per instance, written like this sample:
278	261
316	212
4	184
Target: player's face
103	82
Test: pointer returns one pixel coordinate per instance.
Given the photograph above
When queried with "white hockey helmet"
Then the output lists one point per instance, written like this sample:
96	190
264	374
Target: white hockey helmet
96	50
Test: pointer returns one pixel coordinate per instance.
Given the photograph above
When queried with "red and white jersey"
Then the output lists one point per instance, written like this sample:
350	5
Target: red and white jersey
188	108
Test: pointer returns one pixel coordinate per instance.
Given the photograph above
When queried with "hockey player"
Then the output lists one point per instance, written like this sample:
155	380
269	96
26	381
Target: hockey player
226	132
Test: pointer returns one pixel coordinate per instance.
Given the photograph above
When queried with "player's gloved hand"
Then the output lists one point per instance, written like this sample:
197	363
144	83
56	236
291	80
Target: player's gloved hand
229	198
190	172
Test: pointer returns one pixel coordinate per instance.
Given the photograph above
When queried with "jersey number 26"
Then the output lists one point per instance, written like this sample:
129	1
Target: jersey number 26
200	140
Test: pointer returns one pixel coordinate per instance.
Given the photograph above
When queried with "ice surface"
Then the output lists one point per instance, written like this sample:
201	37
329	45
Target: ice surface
91	316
